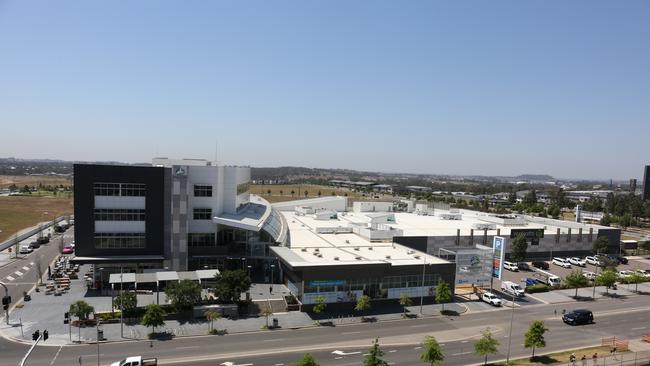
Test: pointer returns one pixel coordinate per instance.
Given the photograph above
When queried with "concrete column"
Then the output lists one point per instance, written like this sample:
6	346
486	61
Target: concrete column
485	237
457	237
580	235
471	237
568	236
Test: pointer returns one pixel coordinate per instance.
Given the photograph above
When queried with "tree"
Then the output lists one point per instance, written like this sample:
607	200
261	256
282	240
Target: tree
13	187
645	245
576	279
319	305
281	192
81	309
519	248
267	312
405	301
432	351
183	294
635	278
211	315
319	193
154	316
374	356
306	192
530	198
554	211
126	301
606	220
230	285
307	360
363	304
268	192
443	293
534	337
292	192
486	345
607	278
601	245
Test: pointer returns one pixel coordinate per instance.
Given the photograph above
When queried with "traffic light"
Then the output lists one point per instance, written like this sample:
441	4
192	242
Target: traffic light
45	335
35	335
66	317
6	300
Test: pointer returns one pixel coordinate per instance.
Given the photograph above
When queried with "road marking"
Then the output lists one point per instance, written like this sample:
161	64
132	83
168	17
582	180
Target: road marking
31	263
479	319
417	347
391	363
188	347
461	353
338	358
392	351
26	268
350	333
341	353
10	278
18	273
464	341
55	356
639	328
273	340
279	364
228	363
420	326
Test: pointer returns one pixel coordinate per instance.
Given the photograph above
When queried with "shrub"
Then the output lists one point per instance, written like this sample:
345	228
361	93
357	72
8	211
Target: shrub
540	287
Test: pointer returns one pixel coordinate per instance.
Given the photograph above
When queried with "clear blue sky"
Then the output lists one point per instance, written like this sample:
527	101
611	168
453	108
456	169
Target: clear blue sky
458	87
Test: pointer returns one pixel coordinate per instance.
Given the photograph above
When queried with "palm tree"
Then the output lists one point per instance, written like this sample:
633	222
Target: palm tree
267	312
212	315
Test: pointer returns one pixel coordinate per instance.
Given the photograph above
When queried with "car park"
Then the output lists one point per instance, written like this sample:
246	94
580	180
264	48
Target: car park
593	260
578	316
523	266
491	299
510	266
540	264
578	262
562	262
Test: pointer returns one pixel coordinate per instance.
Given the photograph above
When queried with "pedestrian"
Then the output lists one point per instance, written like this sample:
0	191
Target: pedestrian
271	289
613	352
584	360
555	312
572	359
595	359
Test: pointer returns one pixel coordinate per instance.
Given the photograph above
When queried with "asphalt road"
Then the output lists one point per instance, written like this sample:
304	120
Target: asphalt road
626	318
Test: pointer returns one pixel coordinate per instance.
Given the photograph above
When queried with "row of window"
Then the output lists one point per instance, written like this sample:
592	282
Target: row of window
201	240
120	189
120	240
118	214
385	283
202	191
202	214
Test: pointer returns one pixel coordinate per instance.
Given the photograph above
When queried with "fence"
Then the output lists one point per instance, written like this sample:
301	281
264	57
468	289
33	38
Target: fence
11	242
618	359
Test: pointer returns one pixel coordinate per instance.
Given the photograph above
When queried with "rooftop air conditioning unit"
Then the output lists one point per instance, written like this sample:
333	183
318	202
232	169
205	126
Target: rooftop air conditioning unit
410	251
357	258
303	249
316	250
388	257
320	255
356	248
347	241
417	257
369	248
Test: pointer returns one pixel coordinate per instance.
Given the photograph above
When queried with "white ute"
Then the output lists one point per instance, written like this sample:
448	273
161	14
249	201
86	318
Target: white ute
512	288
136	361
491	299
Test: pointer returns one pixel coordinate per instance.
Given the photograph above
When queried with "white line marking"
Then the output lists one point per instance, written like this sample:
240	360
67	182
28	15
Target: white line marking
417	347
338	358
55	356
350	333
479	319
420	326
461	353
279	364
26	268
18	273
10	278
639	328
31	263
188	347
273	340
464	341
392	351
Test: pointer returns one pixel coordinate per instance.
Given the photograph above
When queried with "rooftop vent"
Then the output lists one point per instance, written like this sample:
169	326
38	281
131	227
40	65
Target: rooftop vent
410	251
316	250
320	255
347	241
336	258
369	248
303	249
417	257
388	257
356	248
358	258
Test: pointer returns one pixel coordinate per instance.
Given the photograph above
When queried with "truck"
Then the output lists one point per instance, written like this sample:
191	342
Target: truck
136	361
546	278
512	288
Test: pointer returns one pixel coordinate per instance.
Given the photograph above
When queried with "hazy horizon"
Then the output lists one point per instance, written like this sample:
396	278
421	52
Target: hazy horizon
450	88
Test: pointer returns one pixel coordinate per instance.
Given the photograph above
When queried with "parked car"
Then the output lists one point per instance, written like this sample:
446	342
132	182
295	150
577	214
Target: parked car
512	288
510	266
491	299
523	266
643	272
624	274
621	259
43	239
593	260
579	316
589	275
25	249
578	262
35	244
67	249
540	264
562	262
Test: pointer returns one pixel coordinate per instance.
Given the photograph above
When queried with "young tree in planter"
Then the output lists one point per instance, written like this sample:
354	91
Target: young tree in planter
307	360
607	278
518	249
81	309
432	351
363	304
154	316
635	278
319	305
534	337
184	294
267	313
486	345
443	294
126	301
576	279
374	356
230	285
212	315
405	301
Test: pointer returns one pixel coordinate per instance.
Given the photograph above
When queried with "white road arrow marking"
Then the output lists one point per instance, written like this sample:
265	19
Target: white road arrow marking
228	363
341	353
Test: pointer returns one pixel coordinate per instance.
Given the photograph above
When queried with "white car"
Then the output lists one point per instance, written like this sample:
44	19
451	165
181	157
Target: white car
589	275
578	262
510	266
643	272
624	274
562	262
491	299
593	261
25	249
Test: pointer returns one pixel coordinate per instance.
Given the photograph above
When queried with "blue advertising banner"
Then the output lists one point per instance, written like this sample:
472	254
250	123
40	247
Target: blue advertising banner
326	283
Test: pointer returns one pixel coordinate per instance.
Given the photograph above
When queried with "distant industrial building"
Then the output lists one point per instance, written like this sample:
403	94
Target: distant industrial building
632	185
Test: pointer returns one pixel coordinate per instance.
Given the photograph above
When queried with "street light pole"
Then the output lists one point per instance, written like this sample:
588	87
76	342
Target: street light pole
424	266
122	303
593	294
98	323
512	316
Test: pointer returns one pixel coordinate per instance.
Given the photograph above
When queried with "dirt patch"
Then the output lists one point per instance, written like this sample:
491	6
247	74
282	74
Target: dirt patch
282	192
20	212
34	180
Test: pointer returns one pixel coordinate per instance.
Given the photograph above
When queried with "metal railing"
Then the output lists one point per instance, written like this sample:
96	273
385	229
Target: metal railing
17	239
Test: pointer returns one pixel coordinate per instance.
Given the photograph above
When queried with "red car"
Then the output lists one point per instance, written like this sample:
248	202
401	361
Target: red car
67	249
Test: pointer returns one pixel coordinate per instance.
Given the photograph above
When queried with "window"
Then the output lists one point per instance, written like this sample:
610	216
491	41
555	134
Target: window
120	240
120	189
202	191
202	213
201	240
109	214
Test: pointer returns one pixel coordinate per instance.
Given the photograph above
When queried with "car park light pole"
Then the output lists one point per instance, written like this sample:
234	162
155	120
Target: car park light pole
512	317
424	266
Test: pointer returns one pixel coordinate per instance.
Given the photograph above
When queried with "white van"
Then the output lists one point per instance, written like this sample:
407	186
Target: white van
25	249
512	288
510	266
562	262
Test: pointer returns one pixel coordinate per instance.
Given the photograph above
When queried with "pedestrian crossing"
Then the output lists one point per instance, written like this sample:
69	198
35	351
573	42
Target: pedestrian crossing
20	273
